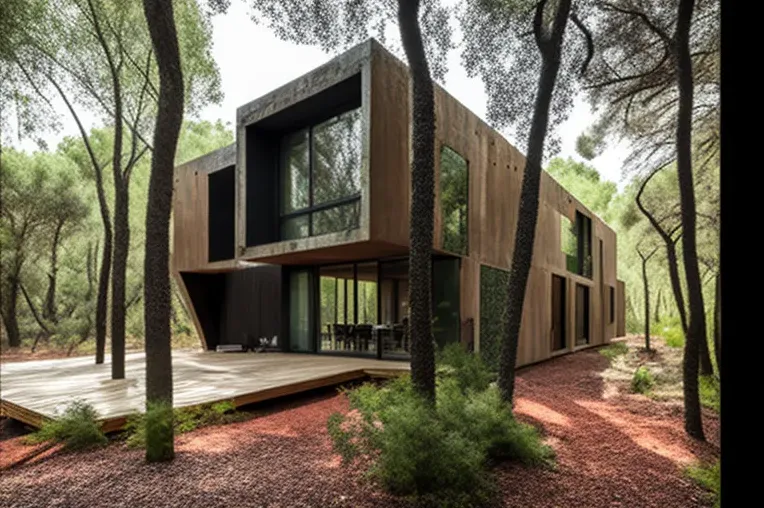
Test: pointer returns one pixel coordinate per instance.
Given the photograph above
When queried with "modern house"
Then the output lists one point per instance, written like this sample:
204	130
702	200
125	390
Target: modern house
300	230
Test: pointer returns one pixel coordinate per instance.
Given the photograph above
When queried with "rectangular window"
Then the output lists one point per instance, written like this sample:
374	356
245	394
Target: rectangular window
576	244
582	315
612	303
569	243
454	182
220	214
321	177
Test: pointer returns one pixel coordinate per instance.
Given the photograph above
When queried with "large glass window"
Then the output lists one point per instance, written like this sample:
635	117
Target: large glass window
321	177
453	201
446	326
576	242
299	311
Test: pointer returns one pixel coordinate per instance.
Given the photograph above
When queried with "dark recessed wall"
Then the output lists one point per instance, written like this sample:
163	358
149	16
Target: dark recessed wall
221	209
237	307
262	146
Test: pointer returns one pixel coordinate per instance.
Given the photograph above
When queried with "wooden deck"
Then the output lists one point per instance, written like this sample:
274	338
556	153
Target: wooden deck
33	391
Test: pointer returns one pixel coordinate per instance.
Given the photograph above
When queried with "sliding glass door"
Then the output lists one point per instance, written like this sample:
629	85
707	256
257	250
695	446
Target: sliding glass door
300	329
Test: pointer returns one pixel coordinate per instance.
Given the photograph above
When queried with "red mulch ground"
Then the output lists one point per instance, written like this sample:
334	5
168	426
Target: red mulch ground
624	451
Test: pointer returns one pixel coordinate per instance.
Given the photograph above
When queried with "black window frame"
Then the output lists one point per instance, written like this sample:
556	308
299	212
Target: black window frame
612	304
311	209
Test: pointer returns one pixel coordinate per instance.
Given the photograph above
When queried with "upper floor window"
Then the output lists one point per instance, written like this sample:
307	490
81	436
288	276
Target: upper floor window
576	241
453	201
321	177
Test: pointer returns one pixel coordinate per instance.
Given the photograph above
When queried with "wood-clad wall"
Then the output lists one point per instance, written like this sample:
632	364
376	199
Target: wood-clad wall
495	180
190	208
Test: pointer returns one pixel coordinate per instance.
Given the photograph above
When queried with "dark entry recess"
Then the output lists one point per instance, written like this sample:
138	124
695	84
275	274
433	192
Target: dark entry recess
220	206
582	315
558	313
237	307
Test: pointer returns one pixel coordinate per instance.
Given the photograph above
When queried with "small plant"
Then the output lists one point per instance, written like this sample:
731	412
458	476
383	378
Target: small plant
709	392
183	419
708	477
614	350
642	381
158	431
77	428
670	329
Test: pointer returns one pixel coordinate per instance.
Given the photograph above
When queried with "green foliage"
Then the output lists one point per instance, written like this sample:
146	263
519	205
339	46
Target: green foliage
77	428
708	476
493	309
454	183
158	428
439	455
184	419
710	393
670	328
583	182
642	381
614	350
468	370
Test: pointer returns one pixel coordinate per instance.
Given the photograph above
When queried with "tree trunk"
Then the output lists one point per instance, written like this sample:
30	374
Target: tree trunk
657	317
422	201
119	279
9	304
718	320
103	280
647	303
49	312
676	285
697	323
551	49
157	295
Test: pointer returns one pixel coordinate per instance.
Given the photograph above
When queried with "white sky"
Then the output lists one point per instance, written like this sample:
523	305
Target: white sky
253	62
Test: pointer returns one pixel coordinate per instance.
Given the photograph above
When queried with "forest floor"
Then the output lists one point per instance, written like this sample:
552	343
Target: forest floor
613	449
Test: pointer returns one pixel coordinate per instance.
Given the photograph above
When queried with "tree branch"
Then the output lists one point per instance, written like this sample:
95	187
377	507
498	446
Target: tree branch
34	311
589	41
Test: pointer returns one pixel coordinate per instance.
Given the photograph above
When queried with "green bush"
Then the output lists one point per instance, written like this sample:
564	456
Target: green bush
708	477
158	431
184	419
709	392
77	428
614	350
642	381
438	455
487	421
670	328
468	370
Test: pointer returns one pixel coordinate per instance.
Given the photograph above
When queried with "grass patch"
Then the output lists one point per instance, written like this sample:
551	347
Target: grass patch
708	476
642	381
441	455
181	420
709	392
614	350
670	329
77	428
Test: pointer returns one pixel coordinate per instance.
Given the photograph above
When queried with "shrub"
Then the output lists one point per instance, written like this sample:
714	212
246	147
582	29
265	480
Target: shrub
183	420
709	392
642	381
77	428
158	431
487	421
467	369
670	328
708	477
439	455
614	350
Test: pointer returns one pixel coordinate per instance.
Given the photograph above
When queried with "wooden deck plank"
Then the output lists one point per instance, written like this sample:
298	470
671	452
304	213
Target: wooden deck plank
35	390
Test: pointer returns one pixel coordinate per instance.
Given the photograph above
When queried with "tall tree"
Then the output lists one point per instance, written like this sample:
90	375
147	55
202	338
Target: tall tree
492	29
422	201
645	257
157	299
97	56
425	37
658	86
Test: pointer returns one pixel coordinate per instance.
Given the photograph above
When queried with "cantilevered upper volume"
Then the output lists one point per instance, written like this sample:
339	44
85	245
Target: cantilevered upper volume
301	229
